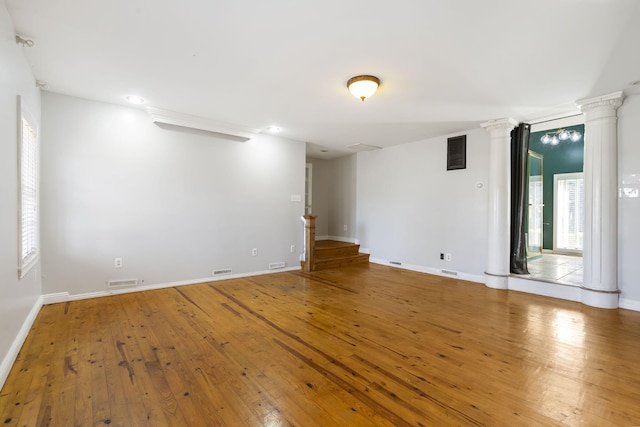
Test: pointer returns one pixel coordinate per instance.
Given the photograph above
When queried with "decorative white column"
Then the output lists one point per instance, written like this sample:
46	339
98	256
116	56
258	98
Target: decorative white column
499	189
600	255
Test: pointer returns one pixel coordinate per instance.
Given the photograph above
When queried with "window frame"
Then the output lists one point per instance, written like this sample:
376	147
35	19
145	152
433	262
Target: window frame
28	190
556	212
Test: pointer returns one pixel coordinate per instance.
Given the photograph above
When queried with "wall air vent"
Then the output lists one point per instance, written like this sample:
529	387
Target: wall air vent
275	265
121	283
237	132
449	272
363	147
222	272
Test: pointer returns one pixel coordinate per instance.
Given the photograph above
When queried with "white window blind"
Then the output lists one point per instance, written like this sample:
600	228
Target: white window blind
28	203
569	211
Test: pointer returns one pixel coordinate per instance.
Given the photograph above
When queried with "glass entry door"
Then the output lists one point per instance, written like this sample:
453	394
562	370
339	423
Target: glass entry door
536	205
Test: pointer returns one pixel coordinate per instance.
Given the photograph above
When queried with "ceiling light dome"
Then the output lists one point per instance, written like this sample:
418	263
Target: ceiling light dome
363	86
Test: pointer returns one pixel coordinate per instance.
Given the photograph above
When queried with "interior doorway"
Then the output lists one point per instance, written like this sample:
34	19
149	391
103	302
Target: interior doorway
555	218
308	175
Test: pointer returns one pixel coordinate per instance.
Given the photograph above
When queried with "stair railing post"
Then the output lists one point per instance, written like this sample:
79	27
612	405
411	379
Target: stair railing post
310	242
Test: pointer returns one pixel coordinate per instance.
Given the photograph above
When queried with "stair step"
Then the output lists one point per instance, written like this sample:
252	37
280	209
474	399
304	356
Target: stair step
322	264
336	252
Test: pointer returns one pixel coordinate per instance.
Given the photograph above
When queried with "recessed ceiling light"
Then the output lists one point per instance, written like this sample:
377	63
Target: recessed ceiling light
274	129
135	99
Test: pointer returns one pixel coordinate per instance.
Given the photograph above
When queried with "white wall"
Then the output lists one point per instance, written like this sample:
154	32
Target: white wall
342	197
320	195
17	297
173	204
410	208
629	208
334	197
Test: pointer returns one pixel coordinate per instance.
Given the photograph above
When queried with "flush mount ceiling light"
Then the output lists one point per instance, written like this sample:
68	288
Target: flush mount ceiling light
554	138
135	99
363	86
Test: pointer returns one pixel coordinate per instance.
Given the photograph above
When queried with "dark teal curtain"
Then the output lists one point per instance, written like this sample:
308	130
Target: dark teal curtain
519	202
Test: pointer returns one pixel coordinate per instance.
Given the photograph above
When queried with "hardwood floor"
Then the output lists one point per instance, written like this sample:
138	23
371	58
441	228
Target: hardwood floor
358	346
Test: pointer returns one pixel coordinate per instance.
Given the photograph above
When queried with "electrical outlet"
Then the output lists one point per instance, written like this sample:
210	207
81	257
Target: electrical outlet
442	256
448	257
293	248
254	252
118	263
345	227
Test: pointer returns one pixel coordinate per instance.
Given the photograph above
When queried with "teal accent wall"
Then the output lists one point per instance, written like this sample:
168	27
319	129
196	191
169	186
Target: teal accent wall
566	157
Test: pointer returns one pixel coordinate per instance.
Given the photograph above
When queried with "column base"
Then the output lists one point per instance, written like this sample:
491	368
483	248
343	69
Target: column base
600	299
496	281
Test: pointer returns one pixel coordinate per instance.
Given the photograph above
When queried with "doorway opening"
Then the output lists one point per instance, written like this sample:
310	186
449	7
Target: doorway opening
308	186
555	218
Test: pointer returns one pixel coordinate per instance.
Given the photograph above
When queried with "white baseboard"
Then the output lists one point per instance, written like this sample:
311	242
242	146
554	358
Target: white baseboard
431	270
554	290
55	298
547	289
630	304
65	296
16	345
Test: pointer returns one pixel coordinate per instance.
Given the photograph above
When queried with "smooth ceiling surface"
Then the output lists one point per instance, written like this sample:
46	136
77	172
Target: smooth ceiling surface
445	65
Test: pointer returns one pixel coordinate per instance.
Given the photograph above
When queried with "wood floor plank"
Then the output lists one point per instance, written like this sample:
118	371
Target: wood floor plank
363	345
31	362
210	383
37	365
249	364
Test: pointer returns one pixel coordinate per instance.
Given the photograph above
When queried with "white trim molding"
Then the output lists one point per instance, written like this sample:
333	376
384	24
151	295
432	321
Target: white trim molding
630	304
65	296
430	270
201	123
16	345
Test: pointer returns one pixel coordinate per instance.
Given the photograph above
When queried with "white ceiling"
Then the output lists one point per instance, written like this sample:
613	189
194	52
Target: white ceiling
445	65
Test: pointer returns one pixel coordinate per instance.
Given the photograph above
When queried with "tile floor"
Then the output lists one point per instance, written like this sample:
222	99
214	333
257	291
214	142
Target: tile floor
565	269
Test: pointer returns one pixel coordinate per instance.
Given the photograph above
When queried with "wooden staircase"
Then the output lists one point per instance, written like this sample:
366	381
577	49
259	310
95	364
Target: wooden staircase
333	254
324	254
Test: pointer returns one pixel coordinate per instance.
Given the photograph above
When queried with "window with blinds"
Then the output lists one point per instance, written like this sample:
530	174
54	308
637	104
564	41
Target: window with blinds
569	212
28	194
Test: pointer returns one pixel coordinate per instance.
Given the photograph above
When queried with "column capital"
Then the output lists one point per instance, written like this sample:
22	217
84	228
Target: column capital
500	124
609	102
